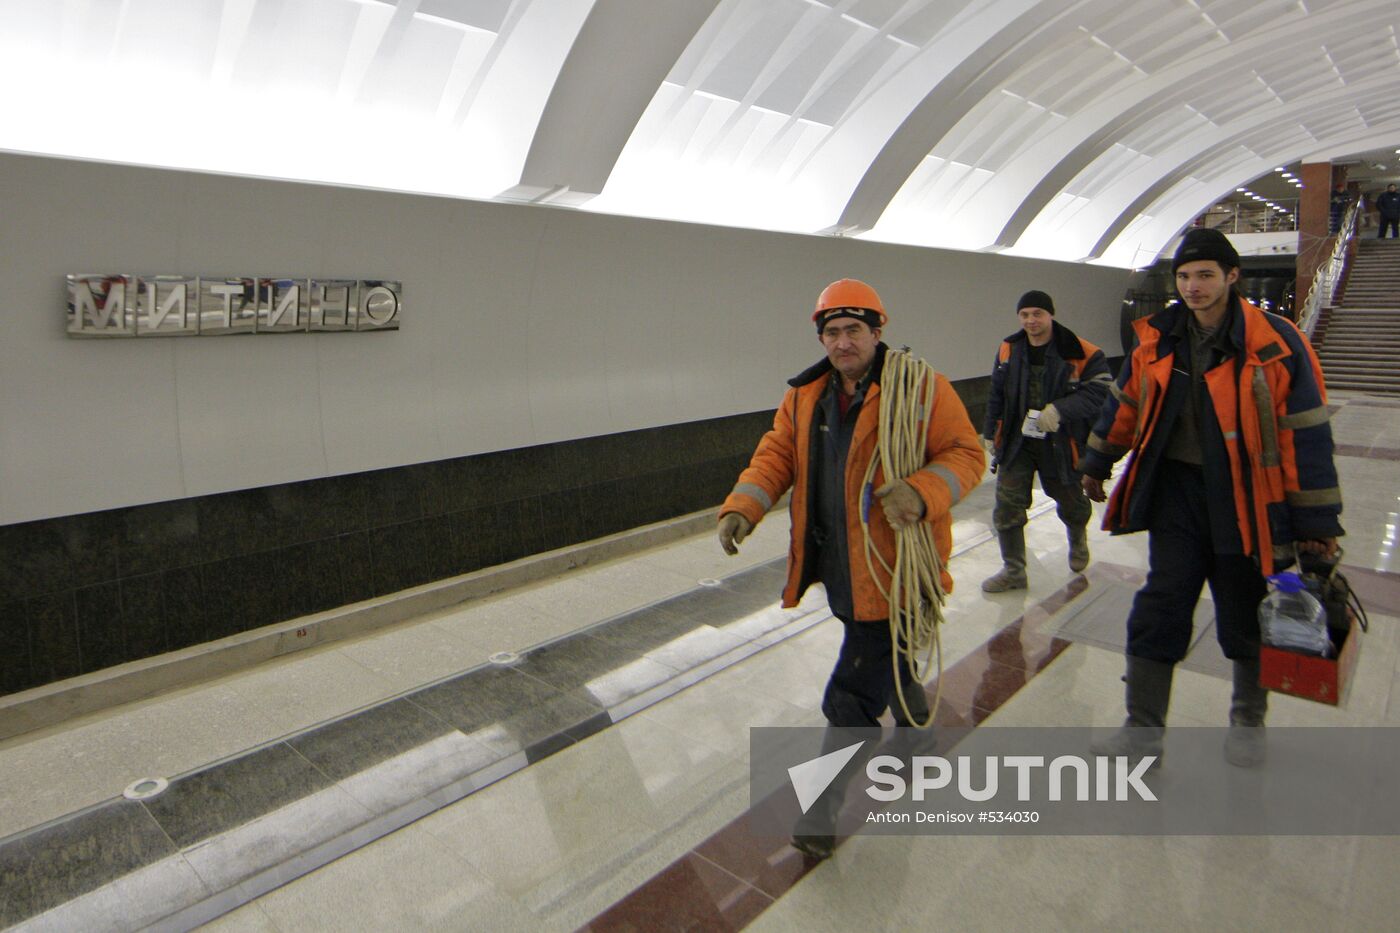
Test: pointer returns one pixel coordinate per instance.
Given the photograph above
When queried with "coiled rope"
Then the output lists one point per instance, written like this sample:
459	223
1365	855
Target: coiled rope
915	594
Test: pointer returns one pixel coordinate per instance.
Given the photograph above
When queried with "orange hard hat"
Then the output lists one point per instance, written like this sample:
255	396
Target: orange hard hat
844	296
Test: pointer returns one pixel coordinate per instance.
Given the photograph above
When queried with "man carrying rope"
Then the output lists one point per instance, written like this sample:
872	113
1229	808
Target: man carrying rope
826	446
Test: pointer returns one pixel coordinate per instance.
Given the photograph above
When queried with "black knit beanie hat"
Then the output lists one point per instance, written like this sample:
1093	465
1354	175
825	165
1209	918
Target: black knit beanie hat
1204	243
1036	299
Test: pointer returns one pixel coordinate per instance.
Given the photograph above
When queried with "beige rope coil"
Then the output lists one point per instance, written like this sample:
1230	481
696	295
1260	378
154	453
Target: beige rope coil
915	594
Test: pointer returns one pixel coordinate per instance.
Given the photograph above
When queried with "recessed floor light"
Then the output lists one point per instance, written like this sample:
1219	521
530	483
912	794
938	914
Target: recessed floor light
145	788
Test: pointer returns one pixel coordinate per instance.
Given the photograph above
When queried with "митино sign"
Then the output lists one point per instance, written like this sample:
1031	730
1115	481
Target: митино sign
180	306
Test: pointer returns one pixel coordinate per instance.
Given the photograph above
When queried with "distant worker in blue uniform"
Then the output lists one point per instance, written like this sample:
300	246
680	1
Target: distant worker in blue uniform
1047	388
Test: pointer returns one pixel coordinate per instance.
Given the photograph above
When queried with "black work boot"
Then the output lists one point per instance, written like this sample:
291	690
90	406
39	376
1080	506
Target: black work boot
1012	575
1078	548
1244	743
1148	693
814	834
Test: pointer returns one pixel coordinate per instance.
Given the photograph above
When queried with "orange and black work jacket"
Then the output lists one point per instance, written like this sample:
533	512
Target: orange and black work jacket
1076	382
1266	439
785	457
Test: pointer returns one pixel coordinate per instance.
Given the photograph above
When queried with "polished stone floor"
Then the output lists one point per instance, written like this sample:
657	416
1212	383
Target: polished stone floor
595	773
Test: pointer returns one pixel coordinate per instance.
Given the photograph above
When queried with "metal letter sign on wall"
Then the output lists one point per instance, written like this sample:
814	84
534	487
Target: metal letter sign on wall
177	306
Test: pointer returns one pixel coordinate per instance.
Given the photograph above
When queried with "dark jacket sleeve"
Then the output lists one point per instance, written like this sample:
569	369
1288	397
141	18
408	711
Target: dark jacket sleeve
1315	501
1112	435
1084	403
996	396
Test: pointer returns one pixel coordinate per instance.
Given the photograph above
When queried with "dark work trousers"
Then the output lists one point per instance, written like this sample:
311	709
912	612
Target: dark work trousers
1014	489
1181	556
1393	223
861	688
862	684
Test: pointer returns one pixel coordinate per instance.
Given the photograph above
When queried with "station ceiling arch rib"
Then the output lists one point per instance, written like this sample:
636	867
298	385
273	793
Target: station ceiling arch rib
1087	130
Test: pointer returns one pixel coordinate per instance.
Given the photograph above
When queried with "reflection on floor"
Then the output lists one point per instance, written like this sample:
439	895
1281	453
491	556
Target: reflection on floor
601	778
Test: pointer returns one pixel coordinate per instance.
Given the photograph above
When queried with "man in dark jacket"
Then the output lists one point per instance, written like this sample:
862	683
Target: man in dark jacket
1337	205
1388	207
1047	387
1223	413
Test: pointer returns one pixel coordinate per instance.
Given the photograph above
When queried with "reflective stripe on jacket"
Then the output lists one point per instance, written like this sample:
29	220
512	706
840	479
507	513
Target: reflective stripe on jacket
954	463
1270	402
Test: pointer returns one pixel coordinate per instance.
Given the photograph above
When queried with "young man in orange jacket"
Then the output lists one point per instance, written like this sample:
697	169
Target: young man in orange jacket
1223	410
825	433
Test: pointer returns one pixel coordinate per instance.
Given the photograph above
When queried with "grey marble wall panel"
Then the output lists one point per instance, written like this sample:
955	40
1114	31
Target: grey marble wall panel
356	561
158	536
237	595
101	627
14	647
474	538
183	605
53	637
35	561
143	615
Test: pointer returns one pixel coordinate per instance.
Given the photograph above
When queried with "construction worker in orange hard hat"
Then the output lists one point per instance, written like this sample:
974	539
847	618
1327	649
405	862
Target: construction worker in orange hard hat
825	434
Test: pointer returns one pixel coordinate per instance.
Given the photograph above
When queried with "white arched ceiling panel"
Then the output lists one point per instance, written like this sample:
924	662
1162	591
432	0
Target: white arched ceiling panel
1160	211
602	89
1040	173
1277	132
861	95
420	95
1217	87
501	112
1056	128
979	72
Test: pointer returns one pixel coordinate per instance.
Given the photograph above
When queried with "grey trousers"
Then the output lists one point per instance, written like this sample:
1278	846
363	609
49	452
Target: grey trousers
1014	489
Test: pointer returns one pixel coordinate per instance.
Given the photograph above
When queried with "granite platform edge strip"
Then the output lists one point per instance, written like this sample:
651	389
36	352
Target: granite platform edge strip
262	878
268	877
55	703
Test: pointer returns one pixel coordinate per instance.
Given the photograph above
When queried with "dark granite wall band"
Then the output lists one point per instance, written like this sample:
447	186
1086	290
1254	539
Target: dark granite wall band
85	592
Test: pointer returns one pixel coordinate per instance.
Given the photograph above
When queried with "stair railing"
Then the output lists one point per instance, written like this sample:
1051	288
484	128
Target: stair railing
1329	274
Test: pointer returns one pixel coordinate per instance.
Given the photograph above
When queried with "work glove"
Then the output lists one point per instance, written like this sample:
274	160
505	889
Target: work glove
902	504
989	445
733	529
1093	488
1049	419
